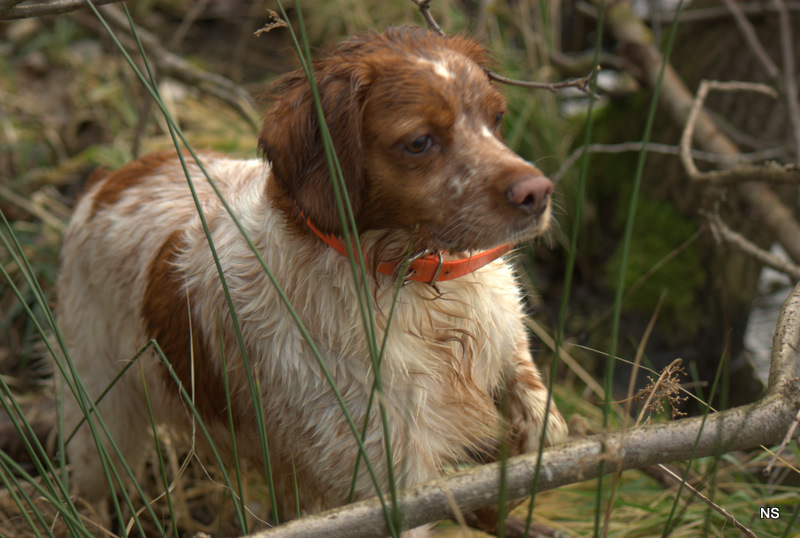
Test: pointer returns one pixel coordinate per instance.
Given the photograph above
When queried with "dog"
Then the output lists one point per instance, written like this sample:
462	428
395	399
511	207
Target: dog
437	200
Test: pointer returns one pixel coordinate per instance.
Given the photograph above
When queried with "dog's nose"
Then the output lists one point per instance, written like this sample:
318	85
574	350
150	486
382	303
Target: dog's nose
530	193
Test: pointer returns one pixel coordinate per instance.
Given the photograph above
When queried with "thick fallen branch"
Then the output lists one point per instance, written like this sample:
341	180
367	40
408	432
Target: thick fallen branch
762	423
737	429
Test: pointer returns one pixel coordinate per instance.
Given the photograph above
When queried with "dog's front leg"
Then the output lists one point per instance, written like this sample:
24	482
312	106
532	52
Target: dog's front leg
524	404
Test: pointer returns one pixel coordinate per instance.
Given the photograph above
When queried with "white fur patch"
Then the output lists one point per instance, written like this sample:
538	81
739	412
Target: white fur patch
439	67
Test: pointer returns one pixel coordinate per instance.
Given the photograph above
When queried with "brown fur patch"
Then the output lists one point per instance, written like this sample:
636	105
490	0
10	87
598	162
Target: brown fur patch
97	175
114	184
167	319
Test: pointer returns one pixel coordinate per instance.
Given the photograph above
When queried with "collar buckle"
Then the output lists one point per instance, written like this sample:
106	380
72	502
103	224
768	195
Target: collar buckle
409	276
438	269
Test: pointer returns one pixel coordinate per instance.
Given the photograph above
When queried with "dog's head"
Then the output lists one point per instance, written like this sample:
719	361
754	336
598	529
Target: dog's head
415	122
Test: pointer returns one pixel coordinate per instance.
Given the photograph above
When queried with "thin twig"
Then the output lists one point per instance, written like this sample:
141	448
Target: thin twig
665	149
767	173
749	34
708	501
32	208
543	336
637	362
425	10
192	14
789	76
694	114
723	233
582	84
580	62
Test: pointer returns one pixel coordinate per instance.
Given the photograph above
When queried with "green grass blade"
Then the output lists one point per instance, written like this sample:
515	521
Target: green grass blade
187	398
234	448
268	272
571	255
626	242
26	504
70	515
370	402
161	465
669	525
105	392
353	250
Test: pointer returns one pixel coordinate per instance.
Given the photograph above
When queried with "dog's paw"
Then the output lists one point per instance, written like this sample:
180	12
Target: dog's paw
525	411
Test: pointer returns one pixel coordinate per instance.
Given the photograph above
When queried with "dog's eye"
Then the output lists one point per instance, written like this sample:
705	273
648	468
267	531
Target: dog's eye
419	145
498	119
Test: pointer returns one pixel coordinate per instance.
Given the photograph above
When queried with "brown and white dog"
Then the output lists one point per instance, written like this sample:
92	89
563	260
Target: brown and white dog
415	122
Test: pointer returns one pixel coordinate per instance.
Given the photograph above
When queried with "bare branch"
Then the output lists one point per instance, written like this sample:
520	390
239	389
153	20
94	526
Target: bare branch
723	233
581	84
666	149
744	427
6	5
637	46
770	172
789	75
749	34
697	106
762	423
425	10
786	439
11	10
576	63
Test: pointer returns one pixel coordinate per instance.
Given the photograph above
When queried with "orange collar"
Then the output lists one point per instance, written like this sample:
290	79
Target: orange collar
429	268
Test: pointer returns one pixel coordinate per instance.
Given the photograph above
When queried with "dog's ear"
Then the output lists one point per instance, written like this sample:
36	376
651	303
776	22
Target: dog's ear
292	141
